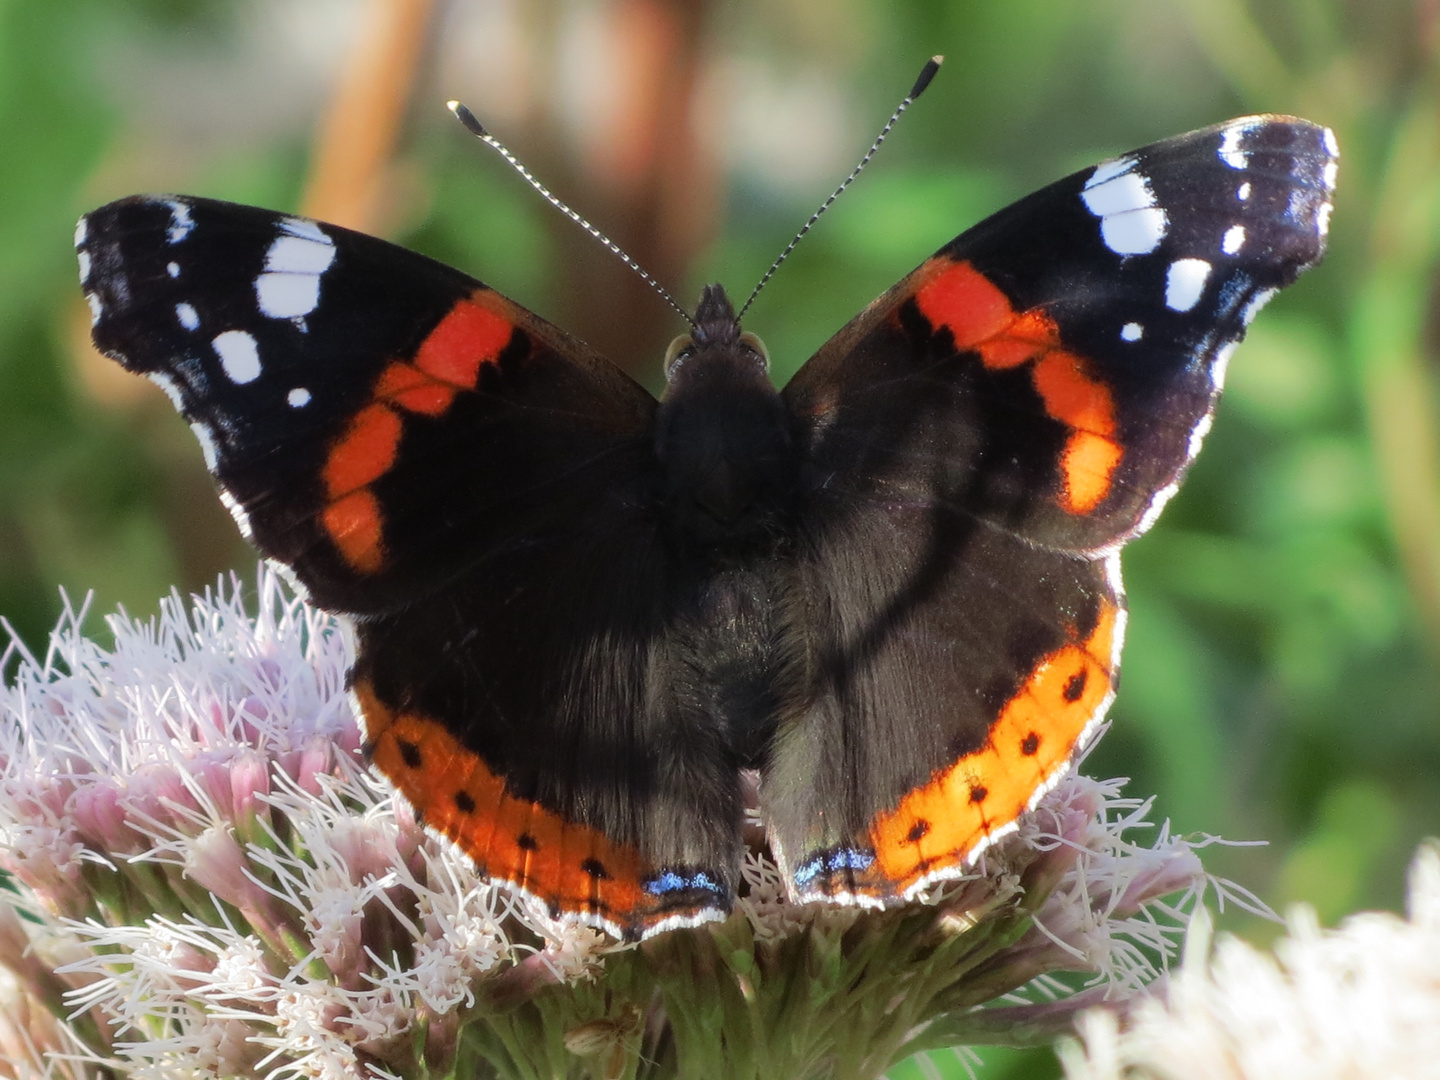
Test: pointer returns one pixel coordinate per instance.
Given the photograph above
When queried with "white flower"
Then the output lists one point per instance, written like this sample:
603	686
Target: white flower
1361	1002
215	884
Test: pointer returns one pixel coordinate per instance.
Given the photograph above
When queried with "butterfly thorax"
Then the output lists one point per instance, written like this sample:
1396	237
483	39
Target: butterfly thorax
723	437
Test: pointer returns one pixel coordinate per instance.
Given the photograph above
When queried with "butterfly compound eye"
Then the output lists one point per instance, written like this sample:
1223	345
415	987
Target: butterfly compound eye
756	346
679	351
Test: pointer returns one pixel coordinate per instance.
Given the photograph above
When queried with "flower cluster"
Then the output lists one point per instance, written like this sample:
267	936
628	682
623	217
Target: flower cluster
208	882
1361	1002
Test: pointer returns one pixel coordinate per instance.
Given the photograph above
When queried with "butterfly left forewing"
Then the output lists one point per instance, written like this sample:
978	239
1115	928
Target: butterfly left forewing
366	412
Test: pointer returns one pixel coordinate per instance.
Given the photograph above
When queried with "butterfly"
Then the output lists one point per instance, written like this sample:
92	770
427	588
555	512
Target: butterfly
891	591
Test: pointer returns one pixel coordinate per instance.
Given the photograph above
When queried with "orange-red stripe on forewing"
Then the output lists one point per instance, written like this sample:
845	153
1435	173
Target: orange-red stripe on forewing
469	336
354	524
1071	396
960	298
1088	465
448	360
413	390
978	314
365	451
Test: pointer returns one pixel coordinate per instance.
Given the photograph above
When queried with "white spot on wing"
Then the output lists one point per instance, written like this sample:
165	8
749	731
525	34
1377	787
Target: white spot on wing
1331	146
298	398
238	513
207	444
1108	170
1127	191
1157	504
1115	580
1258	301
84	260
1122	623
1322	219
180	221
1243	191
1233	240
303	593
173	269
1332	170
1137	232
299	255
1197	435
188	317
1130	222
287	296
1218	370
1113	577
97	309
1230	152
239	355
82	227
1185	283
305	228
171	388
290	286
1132	331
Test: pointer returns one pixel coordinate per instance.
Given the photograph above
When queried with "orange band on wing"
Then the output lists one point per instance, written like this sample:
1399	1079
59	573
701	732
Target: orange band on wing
980	318
365	452
470	335
353	522
413	390
986	790
571	867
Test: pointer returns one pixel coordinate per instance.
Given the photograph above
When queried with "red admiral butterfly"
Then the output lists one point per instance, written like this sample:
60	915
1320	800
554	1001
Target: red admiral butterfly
891	589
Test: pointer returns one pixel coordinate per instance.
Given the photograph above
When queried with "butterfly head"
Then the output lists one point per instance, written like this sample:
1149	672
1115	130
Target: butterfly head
715	332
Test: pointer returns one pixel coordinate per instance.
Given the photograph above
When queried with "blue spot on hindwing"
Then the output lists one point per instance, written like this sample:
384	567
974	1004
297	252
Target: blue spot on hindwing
833	861
669	881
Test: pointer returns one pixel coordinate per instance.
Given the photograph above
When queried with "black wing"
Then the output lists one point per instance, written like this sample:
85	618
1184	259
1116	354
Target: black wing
476	487
979	443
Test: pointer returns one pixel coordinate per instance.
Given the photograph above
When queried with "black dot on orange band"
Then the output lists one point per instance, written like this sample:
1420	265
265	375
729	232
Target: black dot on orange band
526	842
1030	744
409	753
919	829
979	793
464	802
595	868
1076	685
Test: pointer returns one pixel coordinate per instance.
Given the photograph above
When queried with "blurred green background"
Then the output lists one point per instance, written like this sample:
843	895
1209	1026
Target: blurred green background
1281	671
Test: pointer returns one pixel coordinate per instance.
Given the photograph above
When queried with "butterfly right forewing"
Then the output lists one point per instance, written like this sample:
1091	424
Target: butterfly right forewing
977	446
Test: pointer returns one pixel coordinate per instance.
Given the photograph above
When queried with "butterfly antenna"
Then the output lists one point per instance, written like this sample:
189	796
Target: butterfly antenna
473	125
926	74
